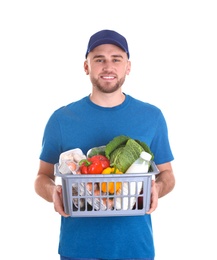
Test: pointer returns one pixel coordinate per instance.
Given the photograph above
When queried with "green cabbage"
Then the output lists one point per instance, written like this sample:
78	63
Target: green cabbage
122	151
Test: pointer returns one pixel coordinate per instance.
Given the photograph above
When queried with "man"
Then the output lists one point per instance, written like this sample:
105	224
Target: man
94	121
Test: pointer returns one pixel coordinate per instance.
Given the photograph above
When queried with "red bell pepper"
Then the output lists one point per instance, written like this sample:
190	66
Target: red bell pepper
94	165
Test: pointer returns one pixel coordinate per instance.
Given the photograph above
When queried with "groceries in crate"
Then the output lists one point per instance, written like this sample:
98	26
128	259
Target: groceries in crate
69	161
111	187
116	157
141	165
94	165
122	151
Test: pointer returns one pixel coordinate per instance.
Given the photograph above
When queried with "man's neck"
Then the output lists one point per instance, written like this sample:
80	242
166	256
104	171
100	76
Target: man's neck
107	99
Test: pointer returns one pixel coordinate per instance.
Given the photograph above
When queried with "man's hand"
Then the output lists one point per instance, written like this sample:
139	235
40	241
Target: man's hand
58	201
154	198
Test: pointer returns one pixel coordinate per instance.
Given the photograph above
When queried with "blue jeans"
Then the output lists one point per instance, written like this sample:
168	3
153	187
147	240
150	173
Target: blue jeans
68	258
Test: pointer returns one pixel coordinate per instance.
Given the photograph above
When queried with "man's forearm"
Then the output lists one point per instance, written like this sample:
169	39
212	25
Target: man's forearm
165	182
44	187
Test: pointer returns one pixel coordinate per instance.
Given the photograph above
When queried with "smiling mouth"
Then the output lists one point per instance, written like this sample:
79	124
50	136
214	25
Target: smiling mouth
108	77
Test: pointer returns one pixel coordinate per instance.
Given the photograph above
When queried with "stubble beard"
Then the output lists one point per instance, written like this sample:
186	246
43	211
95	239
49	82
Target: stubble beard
107	87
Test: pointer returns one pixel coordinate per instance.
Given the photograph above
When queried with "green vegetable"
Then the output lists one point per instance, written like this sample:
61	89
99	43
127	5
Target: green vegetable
96	151
124	156
146	148
123	151
115	143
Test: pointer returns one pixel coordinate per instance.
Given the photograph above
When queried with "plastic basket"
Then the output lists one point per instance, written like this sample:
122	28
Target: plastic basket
81	198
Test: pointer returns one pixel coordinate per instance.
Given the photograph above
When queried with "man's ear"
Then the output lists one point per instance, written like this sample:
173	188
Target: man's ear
128	68
86	67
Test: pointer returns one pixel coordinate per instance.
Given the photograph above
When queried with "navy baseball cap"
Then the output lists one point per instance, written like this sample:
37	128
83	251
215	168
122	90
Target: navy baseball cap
107	37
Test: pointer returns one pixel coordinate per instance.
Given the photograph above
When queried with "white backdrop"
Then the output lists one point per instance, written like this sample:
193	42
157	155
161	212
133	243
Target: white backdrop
173	54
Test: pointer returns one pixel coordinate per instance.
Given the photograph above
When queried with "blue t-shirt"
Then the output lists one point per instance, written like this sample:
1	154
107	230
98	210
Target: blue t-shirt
83	124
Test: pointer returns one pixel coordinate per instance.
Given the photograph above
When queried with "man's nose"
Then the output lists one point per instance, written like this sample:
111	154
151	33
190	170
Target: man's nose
108	65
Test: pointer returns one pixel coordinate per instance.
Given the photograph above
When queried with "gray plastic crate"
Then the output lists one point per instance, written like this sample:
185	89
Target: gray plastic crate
82	195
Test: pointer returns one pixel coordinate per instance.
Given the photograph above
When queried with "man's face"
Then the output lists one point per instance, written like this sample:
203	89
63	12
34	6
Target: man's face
107	66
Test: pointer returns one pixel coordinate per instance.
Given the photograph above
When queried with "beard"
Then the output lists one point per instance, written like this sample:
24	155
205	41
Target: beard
107	87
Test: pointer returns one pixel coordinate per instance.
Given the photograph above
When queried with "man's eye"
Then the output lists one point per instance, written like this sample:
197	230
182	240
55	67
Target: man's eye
116	60
99	60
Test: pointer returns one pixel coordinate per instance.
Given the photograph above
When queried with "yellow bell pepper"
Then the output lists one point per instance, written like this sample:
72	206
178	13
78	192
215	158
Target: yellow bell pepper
111	186
109	170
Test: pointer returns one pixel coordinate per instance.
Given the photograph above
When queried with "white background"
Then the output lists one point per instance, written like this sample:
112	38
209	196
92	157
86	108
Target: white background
174	66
